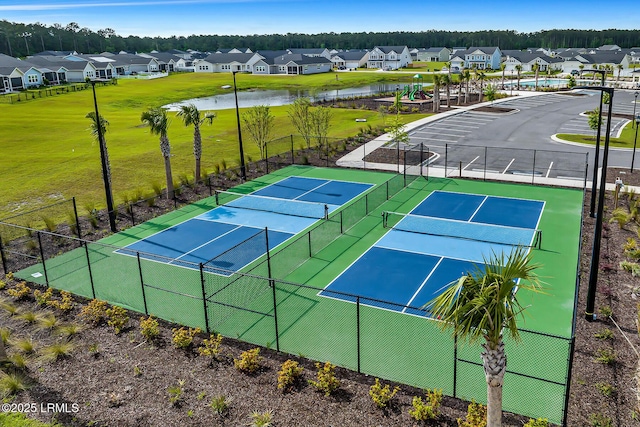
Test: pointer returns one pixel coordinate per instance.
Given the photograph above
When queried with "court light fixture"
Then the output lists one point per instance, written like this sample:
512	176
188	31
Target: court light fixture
635	141
103	159
243	171
635	102
597	235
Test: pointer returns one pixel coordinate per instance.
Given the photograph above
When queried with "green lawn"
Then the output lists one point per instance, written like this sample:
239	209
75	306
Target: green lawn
48	152
626	139
17	419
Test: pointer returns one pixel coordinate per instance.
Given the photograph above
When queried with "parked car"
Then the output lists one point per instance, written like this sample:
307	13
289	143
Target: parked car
575	72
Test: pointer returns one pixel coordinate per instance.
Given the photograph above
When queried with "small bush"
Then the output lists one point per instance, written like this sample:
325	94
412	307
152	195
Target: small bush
220	404
605	389
20	292
289	374
117	318
2	285
25	345
261	419
5	333
42	298
606	311
600	420
605	356
65	304
476	416
326	379
10	308
540	422
69	330
604	334
183	338
211	347
428	409
95	312
175	393
157	188
382	395
57	351
49	224
249	361
149	328
12	384
29	317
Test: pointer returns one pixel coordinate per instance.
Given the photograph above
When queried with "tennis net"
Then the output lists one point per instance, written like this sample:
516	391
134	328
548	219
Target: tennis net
489	233
272	204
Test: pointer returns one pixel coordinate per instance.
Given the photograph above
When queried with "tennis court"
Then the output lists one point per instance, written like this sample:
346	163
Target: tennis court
444	237
282	209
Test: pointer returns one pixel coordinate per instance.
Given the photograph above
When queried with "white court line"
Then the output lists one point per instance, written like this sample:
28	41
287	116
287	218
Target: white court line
469	164
205	244
508	166
407	305
549	170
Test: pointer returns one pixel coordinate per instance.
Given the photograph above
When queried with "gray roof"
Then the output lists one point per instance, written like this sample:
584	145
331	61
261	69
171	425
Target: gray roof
57	61
351	55
312	51
526	57
300	59
389	49
165	57
9	63
55	53
226	58
608	57
485	50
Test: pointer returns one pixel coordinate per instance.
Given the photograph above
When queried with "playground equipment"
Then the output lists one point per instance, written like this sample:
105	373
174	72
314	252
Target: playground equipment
415	89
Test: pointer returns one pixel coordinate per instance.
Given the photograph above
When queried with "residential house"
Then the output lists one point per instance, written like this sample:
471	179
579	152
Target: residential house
76	69
527	61
431	54
481	58
389	57
312	52
167	62
16	74
226	62
350	59
283	62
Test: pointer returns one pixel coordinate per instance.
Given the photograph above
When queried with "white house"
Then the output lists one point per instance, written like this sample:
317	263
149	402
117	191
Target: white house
226	62
350	59
389	57
480	58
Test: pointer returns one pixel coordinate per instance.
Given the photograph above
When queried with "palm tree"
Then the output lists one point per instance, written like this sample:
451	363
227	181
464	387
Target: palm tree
437	78
518	69
191	116
461	81
503	67
481	78
103	130
446	81
581	67
620	67
467	79
158	122
536	68
483	304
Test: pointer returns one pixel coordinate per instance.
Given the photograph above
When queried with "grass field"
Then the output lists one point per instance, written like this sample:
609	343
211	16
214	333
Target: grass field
48	152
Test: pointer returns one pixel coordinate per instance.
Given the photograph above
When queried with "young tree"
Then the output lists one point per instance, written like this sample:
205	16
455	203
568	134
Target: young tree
446	81
191	116
518	69
536	68
483	305
300	114
490	92
259	122
320	123
467	79
436	92
503	67
158	122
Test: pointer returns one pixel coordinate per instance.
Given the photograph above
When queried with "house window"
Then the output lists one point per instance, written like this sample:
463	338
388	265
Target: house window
260	68
32	78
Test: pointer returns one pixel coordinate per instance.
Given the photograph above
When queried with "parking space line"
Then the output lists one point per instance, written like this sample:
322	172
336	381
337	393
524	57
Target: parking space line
469	164
549	170
508	166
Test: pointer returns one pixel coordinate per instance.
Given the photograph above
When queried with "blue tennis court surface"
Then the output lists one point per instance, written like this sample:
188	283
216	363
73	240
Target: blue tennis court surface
444	237
283	208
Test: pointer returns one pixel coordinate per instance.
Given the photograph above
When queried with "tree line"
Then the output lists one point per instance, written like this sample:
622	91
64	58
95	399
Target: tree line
20	40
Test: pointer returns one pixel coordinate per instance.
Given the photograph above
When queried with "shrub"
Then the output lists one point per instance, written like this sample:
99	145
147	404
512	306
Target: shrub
69	330
49	224
620	216
57	351
249	361
604	334
540	422
149	328
605	356
630	245
261	419
220	404
157	188
600	420
476	416
95	312
117	318
606	311
326	379
288	375
2	285
11	384
382	395
20	292
29	317
175	393
606	389
10	308
183	338
211	347
65	304
428	409
42	298
631	267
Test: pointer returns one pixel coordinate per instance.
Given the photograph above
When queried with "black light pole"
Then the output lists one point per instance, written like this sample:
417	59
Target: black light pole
635	102
243	171
103	158
595	255
635	141
594	183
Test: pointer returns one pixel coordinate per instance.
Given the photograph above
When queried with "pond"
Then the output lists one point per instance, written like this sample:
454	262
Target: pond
275	98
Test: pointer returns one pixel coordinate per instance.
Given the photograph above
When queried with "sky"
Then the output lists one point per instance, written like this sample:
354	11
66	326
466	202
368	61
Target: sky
165	18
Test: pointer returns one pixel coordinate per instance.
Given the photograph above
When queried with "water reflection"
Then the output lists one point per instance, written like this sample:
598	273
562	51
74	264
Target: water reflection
280	97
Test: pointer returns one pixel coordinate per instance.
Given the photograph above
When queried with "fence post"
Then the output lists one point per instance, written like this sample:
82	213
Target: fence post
586	171
404	169
358	329
44	266
460	169
144	295
484	176
446	154
272	284
293	157
533	172
309	236
204	299
455	365
133	217
75	214
428	161
567	393
421	156
266	156
4	259
86	251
